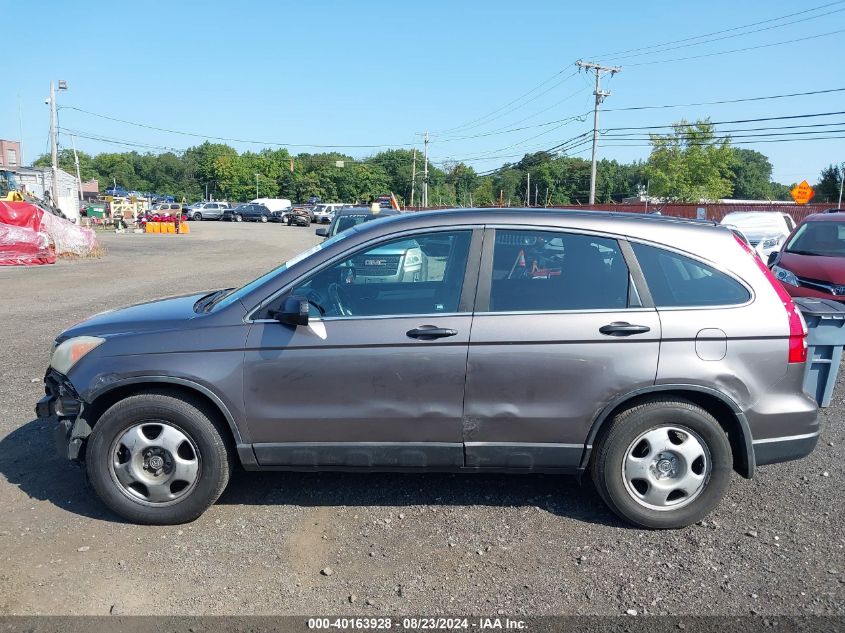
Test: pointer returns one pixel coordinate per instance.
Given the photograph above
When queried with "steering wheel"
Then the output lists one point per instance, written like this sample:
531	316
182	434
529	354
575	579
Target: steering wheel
339	299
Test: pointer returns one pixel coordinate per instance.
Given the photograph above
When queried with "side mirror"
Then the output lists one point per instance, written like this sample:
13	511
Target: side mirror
322	232
294	312
772	257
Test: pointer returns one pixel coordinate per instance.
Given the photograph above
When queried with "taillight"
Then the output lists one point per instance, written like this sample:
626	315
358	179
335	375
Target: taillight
797	326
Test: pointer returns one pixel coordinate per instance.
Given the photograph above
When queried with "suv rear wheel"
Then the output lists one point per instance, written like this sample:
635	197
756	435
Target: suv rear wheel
263	218
197	216
158	458
664	463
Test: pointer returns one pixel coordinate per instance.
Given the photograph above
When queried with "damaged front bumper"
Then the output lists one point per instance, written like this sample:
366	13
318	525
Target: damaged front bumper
63	404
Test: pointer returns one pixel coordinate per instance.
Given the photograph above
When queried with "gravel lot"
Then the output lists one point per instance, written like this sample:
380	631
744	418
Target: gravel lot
284	543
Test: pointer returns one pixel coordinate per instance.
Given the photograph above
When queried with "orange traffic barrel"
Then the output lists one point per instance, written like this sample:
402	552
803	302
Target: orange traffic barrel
184	227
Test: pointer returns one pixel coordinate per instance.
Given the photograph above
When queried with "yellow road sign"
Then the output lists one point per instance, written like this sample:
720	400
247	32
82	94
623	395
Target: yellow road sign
802	193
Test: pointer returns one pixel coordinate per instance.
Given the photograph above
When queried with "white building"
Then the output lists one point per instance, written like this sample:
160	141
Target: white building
37	180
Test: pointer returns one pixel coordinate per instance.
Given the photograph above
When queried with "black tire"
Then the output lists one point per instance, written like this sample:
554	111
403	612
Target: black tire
609	457
188	415
197	217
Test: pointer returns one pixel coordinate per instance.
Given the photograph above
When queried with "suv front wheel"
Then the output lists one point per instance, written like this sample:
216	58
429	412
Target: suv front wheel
664	463
158	458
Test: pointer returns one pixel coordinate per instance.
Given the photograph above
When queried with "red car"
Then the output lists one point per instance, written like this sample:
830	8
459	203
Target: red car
812	261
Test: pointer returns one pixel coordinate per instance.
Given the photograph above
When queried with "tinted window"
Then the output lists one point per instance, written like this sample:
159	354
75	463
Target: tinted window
541	270
678	281
419	275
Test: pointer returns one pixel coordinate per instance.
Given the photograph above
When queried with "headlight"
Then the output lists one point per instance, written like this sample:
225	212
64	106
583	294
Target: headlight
68	353
413	258
785	276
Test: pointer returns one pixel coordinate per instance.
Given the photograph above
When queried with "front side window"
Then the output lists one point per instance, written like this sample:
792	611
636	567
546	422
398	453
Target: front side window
549	271
676	281
422	274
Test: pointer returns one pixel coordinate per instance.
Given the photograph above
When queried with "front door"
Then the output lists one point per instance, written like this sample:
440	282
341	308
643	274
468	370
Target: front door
559	331
377	376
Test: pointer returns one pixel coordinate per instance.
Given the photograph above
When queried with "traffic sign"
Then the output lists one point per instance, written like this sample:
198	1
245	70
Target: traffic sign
802	193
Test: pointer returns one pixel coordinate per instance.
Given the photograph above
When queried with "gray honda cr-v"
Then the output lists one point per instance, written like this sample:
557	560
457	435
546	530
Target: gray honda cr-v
657	354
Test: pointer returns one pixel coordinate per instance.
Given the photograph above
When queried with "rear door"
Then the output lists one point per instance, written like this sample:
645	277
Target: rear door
559	331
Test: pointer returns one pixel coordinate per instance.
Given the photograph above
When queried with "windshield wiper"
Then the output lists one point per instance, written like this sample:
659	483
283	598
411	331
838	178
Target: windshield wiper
205	303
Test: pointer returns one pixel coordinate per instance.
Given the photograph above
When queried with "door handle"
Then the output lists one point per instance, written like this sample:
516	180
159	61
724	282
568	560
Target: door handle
430	332
621	328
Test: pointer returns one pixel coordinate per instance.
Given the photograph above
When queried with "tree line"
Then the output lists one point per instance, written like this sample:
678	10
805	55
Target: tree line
690	163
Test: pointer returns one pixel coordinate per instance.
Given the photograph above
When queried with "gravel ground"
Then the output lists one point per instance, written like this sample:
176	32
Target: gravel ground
286	543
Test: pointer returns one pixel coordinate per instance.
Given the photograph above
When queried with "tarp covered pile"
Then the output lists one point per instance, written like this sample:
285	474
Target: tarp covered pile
30	236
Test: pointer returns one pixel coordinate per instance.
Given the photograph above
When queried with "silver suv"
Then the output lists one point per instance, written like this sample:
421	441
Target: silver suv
207	210
655	354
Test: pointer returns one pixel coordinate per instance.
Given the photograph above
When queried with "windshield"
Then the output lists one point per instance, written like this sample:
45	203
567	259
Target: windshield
228	297
826	239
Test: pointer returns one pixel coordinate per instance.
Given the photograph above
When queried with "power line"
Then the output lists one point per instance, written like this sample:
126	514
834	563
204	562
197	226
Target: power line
739	50
509	103
785	140
726	101
725	37
771	118
728	134
233	140
614	54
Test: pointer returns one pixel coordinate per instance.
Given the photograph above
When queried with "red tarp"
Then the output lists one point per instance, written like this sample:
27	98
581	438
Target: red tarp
29	235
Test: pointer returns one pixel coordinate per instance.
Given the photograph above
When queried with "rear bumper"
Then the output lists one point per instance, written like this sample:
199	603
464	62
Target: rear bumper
784	449
784	423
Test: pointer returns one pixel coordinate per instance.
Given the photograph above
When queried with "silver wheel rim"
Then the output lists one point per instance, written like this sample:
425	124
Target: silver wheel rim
666	467
155	463
238	218
263	218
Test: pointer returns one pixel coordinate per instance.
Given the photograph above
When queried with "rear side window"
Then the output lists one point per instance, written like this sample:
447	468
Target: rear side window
550	271
676	281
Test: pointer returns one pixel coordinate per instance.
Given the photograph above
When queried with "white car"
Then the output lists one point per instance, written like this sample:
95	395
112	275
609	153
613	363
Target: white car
766	230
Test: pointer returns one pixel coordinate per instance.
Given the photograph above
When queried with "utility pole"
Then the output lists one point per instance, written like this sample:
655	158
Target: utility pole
413	176
600	96
425	173
536	193
76	160
54	145
528	190
841	182
21	161
256	186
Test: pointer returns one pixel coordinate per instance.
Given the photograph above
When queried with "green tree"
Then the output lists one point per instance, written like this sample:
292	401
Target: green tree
751	175
690	163
827	188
